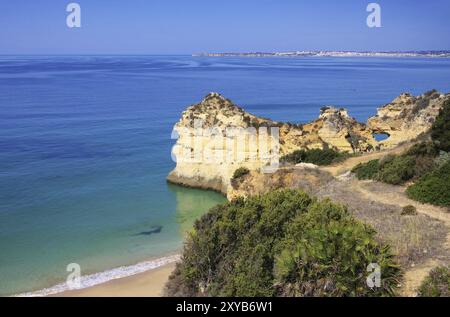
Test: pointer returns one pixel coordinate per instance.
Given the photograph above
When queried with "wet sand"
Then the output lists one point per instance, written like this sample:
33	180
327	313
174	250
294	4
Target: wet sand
147	284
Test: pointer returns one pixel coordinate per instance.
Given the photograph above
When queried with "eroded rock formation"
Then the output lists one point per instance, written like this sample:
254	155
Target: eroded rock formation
407	116
208	150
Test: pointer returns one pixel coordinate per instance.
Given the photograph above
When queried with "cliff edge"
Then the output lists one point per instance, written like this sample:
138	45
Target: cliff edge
215	136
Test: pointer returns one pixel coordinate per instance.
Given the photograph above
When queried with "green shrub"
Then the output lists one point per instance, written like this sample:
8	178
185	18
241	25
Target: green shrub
423	148
433	188
315	156
367	170
386	160
281	243
423	165
443	158
397	171
241	171
437	283
440	131
325	252
419	160
409	211
295	157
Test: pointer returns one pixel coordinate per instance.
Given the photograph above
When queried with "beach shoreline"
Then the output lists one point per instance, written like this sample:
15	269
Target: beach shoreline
151	274
147	284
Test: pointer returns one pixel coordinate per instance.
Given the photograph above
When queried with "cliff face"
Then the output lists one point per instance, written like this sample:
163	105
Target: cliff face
206	151
215	136
333	129
407	116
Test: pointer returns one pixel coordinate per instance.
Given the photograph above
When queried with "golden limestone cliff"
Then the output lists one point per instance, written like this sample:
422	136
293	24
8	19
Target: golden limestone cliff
333	129
215	136
407	116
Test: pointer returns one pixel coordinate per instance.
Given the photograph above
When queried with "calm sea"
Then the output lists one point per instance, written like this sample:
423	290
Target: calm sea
85	146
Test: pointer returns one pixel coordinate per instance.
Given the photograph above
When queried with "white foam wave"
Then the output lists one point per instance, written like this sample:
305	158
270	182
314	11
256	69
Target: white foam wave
106	276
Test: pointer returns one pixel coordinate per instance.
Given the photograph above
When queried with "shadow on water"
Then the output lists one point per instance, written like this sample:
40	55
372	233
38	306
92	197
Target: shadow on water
153	230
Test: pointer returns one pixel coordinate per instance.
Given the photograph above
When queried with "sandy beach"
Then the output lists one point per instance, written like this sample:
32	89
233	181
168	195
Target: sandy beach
147	284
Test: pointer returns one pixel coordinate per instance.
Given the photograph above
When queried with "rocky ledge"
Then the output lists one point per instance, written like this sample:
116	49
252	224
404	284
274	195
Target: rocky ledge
407	116
208	150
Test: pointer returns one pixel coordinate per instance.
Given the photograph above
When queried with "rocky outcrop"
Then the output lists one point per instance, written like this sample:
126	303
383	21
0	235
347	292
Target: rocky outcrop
306	177
337	130
407	116
207	152
215	136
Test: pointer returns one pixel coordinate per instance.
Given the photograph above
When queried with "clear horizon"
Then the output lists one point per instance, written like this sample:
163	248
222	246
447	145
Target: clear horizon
175	27
225	52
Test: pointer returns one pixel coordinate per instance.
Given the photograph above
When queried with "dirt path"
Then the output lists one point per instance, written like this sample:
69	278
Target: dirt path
390	194
420	242
414	276
395	195
348	164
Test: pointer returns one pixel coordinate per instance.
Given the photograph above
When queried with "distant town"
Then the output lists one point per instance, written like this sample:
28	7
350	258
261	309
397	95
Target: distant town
332	54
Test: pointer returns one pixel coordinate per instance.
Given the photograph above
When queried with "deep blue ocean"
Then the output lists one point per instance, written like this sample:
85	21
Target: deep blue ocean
85	145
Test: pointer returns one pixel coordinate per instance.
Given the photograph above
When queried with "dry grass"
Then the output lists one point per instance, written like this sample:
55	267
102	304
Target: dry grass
257	183
412	238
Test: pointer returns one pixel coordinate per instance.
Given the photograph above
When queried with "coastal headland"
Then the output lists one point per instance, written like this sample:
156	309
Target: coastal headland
207	152
420	243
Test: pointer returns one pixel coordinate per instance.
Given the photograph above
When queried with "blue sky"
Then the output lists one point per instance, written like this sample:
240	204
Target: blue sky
190	26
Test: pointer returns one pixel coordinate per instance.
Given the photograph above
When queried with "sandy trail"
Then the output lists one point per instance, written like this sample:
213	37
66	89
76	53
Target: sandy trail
413	277
341	168
395	195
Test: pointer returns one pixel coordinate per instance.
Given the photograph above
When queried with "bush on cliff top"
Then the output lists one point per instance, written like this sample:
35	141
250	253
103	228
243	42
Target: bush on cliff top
315	156
241	171
238	173
283	243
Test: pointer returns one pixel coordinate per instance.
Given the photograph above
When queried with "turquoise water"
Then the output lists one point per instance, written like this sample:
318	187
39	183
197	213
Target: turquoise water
85	145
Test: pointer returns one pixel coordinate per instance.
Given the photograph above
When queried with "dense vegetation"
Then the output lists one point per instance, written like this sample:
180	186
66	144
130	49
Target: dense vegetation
315	156
437	283
440	132
367	170
426	163
283	243
396	169
433	188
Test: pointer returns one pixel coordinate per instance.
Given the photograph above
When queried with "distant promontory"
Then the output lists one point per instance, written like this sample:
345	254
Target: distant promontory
443	53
